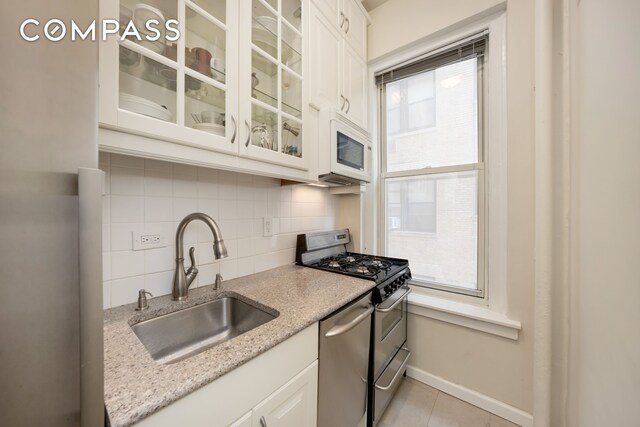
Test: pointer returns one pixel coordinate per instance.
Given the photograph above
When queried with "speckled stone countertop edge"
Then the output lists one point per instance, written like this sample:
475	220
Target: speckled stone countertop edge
136	386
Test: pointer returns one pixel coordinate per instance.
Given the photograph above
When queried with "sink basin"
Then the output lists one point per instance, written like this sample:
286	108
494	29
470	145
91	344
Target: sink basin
182	334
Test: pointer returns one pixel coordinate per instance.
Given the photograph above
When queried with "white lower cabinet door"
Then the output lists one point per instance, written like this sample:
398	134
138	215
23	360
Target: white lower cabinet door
243	421
294	404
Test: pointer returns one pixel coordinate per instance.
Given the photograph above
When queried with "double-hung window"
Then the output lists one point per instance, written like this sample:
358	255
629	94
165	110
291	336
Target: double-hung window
432	119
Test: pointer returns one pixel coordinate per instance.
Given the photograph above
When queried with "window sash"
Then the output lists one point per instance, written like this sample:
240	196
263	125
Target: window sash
479	166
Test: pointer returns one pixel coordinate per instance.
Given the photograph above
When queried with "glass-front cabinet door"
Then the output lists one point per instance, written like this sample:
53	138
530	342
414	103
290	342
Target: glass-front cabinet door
181	86
271	81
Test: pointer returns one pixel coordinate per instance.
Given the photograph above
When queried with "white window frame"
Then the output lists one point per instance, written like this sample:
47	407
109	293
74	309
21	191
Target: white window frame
495	143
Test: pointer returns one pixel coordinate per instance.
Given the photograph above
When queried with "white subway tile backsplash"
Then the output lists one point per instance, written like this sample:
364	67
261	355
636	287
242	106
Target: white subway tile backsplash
207	187
209	207
244	209
122	237
259	209
127	181
185	186
246	247
285	194
285	209
245	228
158	284
127	161
159	259
180	169
154	196
207	273
205	253
307	194
227	185
126	264
127	209
228	209
229	269
183	207
158	183
158	165
245	266
106	295
106	266
106	209
158	209
230	227
125	291
285	225
106	237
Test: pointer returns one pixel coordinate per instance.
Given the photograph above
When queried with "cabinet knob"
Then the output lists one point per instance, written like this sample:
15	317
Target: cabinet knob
346	31
348	105
344	100
263	422
342	18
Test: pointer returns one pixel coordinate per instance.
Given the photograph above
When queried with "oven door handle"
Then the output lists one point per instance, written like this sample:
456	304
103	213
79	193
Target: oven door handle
395	377
339	330
407	291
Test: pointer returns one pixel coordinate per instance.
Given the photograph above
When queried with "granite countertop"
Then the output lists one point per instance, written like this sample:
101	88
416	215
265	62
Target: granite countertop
136	386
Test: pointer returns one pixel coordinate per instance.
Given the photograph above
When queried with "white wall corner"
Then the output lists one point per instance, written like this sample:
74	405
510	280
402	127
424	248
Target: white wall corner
462	314
489	404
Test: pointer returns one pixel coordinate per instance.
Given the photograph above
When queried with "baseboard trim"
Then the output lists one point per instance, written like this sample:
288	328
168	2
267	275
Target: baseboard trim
480	400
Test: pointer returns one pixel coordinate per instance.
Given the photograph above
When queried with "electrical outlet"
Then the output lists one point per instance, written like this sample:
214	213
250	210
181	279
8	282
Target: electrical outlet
145	240
267	229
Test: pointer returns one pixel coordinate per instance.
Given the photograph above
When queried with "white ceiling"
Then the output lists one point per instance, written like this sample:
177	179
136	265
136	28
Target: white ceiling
372	4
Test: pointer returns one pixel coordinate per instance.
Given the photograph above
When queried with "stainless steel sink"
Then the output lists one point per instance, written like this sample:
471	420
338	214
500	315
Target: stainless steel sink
182	334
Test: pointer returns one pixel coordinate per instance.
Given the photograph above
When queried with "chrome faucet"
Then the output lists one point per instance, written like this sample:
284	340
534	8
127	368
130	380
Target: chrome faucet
182	279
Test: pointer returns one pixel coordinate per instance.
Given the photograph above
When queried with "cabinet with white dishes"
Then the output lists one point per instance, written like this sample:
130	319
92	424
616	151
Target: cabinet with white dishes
222	86
337	64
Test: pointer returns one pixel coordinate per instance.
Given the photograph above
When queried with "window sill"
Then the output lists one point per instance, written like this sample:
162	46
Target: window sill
462	314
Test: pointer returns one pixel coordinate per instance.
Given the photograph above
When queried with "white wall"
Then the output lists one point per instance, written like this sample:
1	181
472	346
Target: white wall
148	195
494	366
604	352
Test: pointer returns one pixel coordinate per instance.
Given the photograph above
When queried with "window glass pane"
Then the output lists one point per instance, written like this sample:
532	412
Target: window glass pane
432	118
432	221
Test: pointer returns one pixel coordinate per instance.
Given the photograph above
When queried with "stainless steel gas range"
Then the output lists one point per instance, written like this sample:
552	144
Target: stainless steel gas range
388	353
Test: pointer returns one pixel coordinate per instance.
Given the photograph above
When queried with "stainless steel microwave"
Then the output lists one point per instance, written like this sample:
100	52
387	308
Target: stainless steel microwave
344	150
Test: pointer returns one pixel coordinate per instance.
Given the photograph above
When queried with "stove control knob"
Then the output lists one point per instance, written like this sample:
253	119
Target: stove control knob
400	282
407	276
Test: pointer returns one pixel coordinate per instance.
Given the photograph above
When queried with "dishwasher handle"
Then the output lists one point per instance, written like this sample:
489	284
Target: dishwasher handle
341	329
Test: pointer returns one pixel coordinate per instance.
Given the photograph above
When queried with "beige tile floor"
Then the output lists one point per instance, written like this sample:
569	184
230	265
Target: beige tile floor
418	405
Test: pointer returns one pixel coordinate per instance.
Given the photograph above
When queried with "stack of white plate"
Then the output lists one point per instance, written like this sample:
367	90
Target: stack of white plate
210	127
265	30
143	106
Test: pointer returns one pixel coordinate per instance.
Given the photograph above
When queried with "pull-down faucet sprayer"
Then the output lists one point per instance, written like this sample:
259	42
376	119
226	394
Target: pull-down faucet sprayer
182	279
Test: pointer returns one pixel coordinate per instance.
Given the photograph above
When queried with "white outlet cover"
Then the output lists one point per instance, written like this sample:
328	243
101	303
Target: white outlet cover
267	228
147	240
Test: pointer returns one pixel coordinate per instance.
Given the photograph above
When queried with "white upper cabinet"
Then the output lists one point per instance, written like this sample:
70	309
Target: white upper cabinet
183	90
337	59
272	89
354	71
229	92
355	26
324	73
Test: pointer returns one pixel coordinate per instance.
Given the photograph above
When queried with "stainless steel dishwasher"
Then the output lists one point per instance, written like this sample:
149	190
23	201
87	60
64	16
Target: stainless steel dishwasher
344	364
